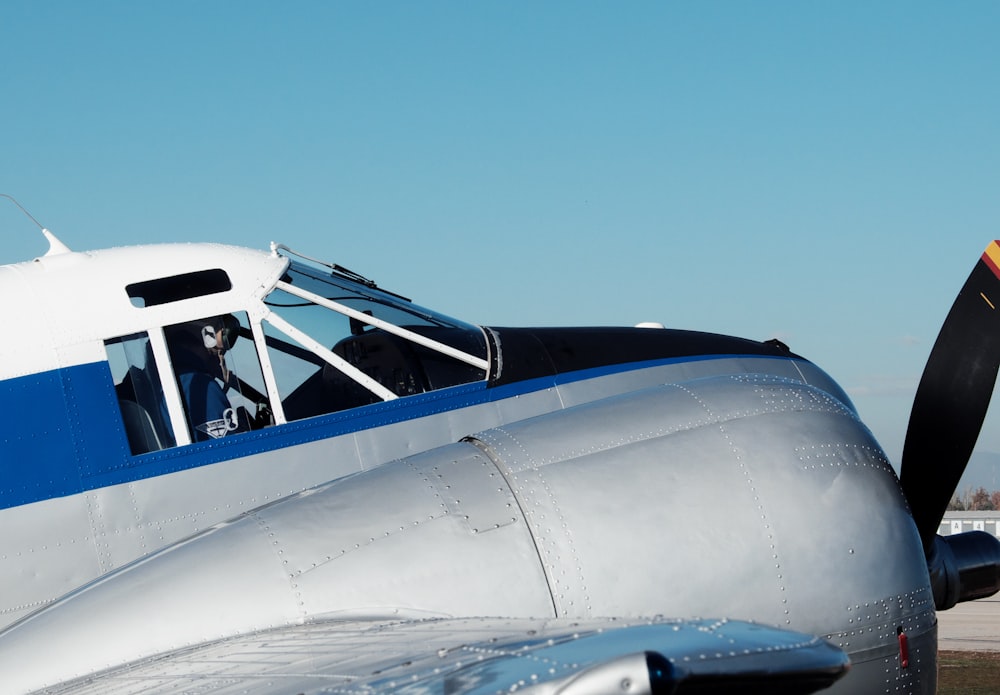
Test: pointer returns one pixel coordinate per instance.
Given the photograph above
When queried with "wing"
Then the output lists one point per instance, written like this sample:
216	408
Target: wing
480	656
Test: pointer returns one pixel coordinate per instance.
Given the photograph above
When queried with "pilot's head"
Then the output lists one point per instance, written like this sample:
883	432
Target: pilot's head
197	345
219	334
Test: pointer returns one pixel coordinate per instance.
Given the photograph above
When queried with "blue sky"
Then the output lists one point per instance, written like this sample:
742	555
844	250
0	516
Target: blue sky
827	173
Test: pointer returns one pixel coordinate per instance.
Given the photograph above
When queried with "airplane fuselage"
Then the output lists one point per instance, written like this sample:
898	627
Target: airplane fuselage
571	473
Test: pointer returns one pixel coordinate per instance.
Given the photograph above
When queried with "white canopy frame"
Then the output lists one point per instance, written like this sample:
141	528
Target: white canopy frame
392	328
334	360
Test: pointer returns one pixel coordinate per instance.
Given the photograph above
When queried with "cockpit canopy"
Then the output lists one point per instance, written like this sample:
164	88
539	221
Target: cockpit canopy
320	341
336	344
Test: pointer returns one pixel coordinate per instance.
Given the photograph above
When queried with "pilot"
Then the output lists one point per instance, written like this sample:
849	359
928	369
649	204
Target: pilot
197	351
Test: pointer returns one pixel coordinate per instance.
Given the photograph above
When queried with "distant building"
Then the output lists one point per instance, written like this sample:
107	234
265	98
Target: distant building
960	522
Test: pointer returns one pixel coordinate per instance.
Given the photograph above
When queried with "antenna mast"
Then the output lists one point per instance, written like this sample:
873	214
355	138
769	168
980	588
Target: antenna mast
55	246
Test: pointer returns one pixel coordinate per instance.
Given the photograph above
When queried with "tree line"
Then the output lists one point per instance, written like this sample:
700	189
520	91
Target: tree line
978	500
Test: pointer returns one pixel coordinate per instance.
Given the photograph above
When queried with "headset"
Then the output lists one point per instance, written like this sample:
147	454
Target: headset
228	325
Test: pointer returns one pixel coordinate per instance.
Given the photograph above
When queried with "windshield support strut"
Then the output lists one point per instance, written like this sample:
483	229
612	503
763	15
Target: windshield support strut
333	360
430	343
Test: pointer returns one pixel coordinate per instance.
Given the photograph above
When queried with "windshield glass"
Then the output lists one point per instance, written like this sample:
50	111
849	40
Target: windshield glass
334	344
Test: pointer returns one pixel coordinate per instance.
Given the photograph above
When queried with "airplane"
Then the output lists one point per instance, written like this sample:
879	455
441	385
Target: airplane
231	470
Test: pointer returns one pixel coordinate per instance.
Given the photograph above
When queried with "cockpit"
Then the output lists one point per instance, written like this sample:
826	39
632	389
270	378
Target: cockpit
322	340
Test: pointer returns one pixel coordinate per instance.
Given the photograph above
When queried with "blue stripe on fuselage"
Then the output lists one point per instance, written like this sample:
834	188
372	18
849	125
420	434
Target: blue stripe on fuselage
61	432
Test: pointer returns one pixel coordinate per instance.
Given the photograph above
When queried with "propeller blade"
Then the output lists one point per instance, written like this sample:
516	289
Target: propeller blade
952	397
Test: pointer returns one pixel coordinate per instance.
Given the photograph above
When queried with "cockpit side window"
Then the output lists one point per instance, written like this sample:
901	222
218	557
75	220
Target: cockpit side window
335	344
218	375
140	395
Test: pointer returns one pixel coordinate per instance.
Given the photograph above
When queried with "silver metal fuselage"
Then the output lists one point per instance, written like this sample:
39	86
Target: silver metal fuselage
733	486
686	499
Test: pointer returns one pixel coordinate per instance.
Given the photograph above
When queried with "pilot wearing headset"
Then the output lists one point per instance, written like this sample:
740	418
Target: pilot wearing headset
197	351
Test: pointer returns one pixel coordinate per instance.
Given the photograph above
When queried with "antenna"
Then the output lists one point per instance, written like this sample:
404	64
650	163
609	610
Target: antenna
55	246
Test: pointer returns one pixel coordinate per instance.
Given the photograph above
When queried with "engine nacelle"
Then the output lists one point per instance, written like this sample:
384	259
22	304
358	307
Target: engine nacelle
747	497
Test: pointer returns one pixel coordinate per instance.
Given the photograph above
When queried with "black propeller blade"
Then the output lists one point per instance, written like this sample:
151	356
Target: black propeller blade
952	397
